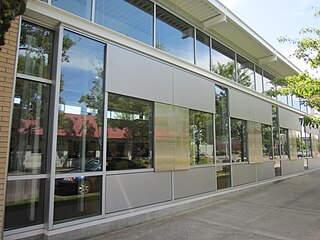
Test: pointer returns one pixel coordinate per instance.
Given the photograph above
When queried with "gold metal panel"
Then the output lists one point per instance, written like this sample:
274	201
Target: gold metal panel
164	141
292	144
254	142
181	155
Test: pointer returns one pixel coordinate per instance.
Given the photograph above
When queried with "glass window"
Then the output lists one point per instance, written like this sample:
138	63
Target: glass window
131	18
316	146
290	101
296	102
203	50
266	142
282	98
303	107
174	35
77	197
259	82
28	145
267	83
276	141
35	50
284	146
239	143
79	142
222	60
24	203
201	137
300	145
222	125
223	177
307	142
81	8
245	72
130	133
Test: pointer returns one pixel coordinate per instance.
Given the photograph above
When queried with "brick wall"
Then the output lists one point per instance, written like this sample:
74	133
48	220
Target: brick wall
7	63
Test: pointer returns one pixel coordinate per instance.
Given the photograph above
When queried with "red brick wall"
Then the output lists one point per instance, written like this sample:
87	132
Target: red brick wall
7	63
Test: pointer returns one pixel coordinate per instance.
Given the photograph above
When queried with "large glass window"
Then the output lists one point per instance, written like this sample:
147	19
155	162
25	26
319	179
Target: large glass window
133	18
201	137
267	83
222	125
282	98
223	176
24	203
276	141
296	102
266	142
174	36
79	142
284	146
28	145
259	82
239	143
203	50
35	50
81	8
130	133
77	197
223	60
245	72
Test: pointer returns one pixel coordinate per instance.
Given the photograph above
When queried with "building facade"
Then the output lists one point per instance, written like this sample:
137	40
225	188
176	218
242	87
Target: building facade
114	109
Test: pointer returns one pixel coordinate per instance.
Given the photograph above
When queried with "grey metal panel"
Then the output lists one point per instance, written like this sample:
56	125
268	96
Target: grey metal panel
288	119
241	105
128	191
265	170
194	181
134	75
243	173
313	163
262	111
287	167
193	92
299	165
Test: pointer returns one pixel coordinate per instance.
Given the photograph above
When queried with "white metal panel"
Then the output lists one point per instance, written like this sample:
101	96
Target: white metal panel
193	92
262	111
132	74
241	105
194	181
289	119
312	130
299	165
313	163
128	191
243	174
265	170
287	167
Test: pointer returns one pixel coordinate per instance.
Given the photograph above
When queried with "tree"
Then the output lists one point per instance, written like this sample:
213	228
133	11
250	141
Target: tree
9	9
304	85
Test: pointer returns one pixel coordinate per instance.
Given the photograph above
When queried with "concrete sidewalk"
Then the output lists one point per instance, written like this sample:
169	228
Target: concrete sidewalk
289	209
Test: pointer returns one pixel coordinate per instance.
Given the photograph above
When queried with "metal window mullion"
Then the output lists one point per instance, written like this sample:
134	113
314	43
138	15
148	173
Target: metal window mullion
93	6
104	137
254	77
54	129
235	67
49	2
195	45
210	53
154	24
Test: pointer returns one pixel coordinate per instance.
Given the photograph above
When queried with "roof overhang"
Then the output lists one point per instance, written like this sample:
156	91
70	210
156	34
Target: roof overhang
217	20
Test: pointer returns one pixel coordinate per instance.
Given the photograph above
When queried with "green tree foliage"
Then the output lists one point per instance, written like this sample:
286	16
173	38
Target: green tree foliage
304	85
9	9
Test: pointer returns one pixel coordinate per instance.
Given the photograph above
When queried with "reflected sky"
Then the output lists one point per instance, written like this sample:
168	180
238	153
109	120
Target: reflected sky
81	8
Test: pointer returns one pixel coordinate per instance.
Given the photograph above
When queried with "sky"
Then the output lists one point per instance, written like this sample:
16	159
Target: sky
272	19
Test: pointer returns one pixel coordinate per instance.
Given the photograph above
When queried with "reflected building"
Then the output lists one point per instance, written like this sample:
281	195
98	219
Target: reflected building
122	108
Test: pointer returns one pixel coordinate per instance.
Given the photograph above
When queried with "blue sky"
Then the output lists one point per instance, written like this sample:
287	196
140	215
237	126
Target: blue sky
274	18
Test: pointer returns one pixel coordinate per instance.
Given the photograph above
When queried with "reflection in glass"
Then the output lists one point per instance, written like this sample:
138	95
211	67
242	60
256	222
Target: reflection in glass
223	177
282	98
133	18
174	35
77	197
130	133
307	144
223	60
81	8
315	146
239	140
24	203
276	141
303	107
245	72
292	140
284	146
35	50
201	137
259	83
222	125
267	83
203	50
266	142
28	145
80	104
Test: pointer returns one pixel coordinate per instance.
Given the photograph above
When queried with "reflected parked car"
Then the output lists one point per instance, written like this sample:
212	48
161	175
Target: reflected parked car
79	184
